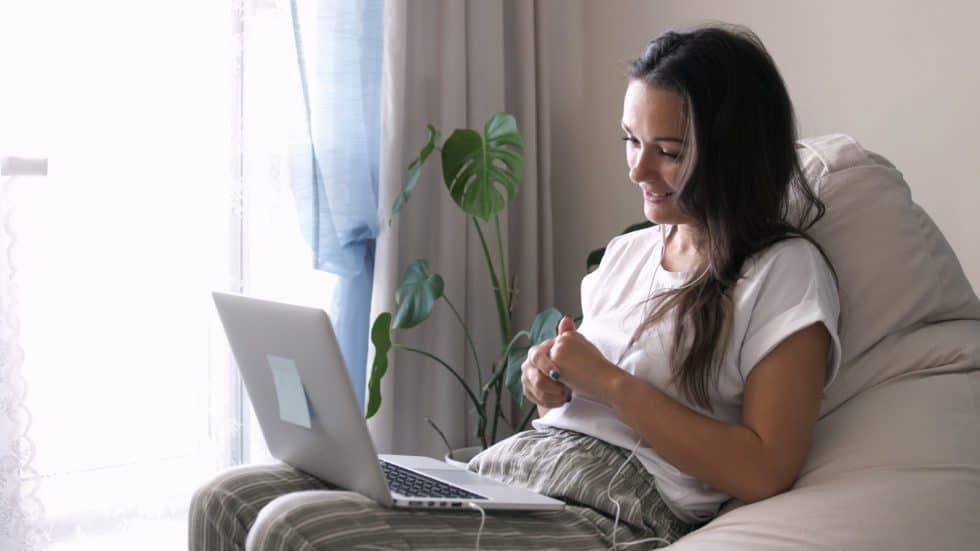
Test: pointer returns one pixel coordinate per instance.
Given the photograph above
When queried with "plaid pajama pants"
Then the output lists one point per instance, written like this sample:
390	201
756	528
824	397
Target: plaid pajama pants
276	507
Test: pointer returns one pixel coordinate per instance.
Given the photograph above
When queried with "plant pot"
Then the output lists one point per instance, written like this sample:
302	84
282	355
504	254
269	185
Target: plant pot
461	456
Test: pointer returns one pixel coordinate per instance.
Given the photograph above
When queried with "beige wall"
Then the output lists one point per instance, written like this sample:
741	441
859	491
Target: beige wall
901	77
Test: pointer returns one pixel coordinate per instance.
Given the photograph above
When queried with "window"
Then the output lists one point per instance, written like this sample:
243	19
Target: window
147	208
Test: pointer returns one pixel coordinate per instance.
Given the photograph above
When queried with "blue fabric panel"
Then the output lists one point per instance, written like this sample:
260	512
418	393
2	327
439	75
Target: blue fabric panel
334	167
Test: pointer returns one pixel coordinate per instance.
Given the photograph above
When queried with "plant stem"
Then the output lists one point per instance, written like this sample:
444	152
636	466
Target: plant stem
527	417
481	429
502	253
502	297
466	387
497	411
502	313
496	416
469	339
498	373
440	433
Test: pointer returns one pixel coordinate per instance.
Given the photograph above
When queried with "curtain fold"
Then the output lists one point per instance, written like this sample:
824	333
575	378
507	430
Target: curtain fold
334	159
453	64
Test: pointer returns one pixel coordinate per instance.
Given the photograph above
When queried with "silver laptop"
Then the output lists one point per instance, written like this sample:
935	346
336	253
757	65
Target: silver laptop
298	383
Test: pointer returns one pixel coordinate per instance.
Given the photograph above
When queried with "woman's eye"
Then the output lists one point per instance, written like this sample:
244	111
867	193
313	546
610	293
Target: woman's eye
635	142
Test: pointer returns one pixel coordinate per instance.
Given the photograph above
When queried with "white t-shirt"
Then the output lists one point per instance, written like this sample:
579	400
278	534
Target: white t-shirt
785	288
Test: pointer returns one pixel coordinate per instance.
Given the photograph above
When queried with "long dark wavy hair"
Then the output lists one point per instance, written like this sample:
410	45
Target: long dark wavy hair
742	180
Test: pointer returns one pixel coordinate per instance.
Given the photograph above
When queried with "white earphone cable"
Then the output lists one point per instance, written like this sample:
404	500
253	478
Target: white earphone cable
612	480
483	519
615	545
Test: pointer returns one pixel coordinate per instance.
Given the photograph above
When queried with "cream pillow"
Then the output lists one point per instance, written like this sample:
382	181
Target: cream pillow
894	468
896	270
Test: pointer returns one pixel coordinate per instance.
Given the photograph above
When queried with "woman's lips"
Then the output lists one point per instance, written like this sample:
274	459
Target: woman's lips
656	197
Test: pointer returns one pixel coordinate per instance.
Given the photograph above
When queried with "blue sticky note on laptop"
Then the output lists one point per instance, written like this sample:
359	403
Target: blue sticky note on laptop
293	407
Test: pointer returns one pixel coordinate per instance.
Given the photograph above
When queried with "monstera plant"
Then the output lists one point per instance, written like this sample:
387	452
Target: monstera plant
482	174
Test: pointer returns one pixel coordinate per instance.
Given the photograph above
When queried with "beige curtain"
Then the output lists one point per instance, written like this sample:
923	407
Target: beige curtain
454	63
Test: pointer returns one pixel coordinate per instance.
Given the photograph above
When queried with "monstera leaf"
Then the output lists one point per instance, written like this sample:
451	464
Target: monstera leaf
414	169
418	291
474	166
381	338
545	327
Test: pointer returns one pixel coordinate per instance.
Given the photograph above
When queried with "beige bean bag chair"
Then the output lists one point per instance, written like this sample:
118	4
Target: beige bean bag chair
895	460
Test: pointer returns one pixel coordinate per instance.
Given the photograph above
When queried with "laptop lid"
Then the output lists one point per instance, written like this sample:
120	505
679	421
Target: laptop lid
282	349
304	400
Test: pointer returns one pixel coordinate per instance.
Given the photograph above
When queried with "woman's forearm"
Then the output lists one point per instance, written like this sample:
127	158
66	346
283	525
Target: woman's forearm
731	458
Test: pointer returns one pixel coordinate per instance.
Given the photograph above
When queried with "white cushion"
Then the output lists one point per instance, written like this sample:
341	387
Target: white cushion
896	269
896	468
895	458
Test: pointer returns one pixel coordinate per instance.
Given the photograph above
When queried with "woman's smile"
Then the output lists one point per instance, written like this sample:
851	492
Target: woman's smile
656	198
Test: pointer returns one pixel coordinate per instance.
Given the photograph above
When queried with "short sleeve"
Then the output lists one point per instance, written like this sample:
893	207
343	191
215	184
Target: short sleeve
785	289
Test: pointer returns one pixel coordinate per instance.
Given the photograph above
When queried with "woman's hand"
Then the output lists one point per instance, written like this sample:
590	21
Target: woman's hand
538	387
580	365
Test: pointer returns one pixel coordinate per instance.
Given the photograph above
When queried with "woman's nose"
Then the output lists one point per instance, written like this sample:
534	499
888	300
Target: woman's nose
643	168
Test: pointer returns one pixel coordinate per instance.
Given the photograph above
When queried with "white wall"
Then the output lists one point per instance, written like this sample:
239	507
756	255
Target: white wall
901	77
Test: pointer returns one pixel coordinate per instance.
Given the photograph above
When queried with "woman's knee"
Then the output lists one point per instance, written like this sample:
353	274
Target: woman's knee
220	511
223	510
305	520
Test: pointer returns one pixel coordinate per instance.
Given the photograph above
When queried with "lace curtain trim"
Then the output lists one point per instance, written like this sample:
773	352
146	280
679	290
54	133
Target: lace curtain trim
21	512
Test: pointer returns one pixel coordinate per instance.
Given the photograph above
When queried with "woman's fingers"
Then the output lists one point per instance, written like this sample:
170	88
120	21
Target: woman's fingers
539	355
538	386
540	389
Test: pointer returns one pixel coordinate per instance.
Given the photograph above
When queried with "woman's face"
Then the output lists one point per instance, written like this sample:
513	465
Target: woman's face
654	124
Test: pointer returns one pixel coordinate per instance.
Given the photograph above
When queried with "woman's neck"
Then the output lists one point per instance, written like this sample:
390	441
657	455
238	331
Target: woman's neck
681	252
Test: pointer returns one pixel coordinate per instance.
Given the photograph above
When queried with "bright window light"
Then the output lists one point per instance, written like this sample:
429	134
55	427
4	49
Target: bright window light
129	378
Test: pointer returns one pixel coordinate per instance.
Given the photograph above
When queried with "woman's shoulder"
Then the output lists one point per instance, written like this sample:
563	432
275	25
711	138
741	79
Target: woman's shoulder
786	251
794	260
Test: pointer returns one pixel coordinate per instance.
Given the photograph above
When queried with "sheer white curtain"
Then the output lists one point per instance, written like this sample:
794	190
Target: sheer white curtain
20	507
130	395
278	262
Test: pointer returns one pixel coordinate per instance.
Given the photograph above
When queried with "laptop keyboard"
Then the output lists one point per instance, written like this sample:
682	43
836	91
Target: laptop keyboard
412	484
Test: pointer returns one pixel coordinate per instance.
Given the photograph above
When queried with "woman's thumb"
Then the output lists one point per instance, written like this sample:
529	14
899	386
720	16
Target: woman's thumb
566	324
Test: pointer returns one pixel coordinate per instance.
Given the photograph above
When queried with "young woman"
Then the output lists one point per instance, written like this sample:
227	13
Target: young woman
697	372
